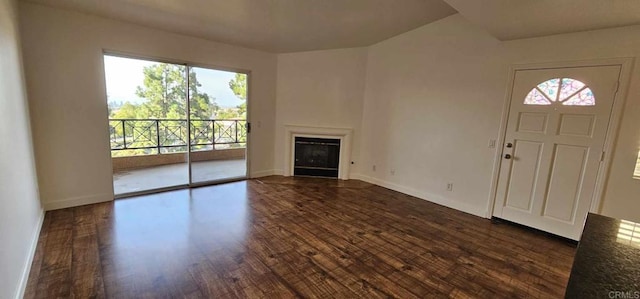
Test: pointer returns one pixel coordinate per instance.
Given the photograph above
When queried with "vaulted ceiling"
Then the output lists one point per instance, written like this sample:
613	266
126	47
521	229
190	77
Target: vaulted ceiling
273	25
301	25
514	19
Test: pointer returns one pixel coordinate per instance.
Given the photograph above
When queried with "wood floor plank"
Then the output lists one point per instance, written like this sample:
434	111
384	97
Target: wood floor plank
36	265
279	237
86	268
55	271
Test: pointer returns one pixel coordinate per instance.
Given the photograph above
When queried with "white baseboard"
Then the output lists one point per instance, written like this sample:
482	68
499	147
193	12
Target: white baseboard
77	201
477	211
31	253
261	173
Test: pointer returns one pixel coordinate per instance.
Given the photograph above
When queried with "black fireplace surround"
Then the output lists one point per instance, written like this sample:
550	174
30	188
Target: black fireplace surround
316	157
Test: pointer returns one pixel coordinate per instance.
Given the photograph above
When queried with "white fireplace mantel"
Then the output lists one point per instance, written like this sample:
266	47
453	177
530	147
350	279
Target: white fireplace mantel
344	134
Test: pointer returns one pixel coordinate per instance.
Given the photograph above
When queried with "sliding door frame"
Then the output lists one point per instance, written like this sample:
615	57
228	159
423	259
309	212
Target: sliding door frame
188	65
193	184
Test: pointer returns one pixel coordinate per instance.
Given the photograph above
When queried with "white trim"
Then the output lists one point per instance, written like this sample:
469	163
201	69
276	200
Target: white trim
248	122
625	64
612	133
344	134
77	201
457	205
571	63
497	159
187	74
263	173
31	254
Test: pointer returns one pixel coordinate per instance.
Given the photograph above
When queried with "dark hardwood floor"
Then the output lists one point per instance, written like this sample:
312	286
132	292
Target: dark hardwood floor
281	237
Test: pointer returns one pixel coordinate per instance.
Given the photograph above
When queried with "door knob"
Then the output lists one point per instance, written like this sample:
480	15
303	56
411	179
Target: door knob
507	156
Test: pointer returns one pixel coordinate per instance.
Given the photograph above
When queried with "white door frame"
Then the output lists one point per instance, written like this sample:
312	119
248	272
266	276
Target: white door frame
625	64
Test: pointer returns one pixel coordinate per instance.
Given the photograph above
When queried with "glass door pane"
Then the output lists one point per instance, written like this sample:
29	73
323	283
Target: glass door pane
147	103
217	102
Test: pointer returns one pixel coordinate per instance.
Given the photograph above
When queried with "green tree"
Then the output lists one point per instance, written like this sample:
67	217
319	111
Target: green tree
239	87
164	91
127	111
229	113
202	105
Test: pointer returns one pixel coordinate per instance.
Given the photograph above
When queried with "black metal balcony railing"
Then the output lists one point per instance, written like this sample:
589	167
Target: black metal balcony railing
170	135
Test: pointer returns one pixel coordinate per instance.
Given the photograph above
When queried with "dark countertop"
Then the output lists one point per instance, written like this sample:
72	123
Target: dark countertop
607	262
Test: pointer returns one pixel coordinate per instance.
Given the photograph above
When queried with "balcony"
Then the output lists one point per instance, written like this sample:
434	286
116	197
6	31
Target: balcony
152	153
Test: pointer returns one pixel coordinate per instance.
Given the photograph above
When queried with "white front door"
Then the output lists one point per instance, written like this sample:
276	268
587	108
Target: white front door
553	148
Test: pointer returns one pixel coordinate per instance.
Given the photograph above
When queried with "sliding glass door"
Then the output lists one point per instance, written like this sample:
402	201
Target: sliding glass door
173	125
147	103
217	101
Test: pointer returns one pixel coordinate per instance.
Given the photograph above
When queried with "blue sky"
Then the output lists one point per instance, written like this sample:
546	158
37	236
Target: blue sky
123	75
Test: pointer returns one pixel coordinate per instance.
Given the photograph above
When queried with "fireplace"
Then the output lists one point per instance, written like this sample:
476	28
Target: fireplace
316	157
343	136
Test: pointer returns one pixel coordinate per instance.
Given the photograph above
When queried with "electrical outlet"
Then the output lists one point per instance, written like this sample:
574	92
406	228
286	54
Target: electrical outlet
449	186
492	143
374	168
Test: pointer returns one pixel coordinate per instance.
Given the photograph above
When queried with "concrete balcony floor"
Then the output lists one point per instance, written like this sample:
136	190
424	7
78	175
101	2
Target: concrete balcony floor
176	174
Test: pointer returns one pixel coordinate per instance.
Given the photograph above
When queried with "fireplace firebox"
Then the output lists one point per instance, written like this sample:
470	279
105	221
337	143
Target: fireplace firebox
316	157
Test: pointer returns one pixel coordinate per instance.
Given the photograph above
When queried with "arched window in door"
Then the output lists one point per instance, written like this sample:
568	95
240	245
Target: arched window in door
569	92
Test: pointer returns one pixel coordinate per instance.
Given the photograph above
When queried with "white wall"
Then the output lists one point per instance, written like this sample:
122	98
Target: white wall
64	71
320	89
434	98
20	211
